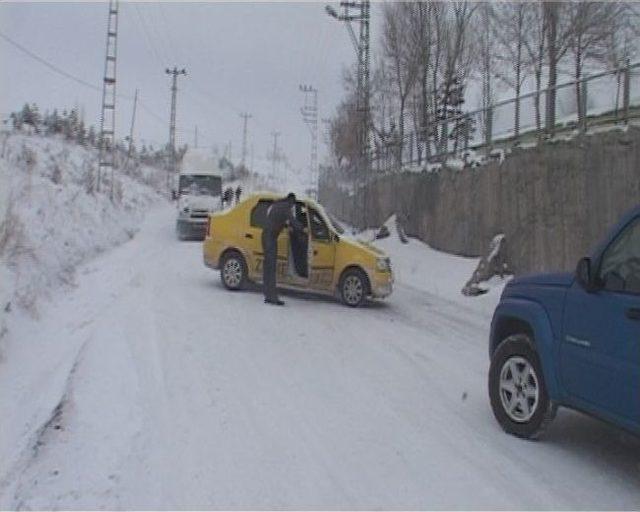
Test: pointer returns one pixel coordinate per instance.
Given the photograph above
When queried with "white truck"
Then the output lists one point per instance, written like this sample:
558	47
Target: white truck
199	193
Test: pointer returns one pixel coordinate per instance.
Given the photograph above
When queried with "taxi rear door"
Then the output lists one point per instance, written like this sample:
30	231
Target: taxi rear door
253	242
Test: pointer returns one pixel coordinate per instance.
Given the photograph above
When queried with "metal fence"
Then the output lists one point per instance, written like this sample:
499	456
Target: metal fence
607	98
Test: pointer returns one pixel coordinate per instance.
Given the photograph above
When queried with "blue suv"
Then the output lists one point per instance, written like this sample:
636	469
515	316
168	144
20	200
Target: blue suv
571	340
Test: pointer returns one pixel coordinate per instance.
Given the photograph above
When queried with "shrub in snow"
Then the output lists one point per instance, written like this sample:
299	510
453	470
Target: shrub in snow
493	264
383	232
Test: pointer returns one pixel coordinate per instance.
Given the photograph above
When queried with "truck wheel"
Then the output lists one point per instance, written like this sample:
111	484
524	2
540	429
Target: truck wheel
233	271
517	390
354	287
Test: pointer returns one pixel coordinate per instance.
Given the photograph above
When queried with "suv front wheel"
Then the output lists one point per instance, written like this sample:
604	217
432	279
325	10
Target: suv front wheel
517	390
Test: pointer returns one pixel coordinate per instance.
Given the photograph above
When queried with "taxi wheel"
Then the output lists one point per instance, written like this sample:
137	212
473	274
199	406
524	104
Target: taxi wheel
354	287
233	271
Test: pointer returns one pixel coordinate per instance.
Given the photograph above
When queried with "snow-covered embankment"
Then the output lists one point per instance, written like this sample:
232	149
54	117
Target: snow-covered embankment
50	223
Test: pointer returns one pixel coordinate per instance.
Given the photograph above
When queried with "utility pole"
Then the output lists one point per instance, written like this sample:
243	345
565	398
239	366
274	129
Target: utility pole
108	113
309	113
172	122
133	120
245	117
360	11
195	138
275	135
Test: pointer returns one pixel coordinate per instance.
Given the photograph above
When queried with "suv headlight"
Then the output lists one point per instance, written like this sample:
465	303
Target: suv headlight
383	265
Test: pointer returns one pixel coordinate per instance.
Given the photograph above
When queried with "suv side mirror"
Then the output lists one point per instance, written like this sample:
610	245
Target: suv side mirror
584	275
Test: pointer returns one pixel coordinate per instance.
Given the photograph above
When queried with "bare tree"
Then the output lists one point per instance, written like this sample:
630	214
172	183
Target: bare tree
510	32
623	43
591	25
403	60
486	41
457	55
534	42
559	33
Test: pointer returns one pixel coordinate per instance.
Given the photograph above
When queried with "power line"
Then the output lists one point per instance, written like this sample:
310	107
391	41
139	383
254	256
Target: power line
147	38
46	63
80	81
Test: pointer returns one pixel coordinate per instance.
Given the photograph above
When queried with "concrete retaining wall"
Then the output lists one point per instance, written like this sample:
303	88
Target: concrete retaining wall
553	202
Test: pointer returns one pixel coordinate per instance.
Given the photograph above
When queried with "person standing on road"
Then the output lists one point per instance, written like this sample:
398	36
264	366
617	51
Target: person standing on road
238	193
279	215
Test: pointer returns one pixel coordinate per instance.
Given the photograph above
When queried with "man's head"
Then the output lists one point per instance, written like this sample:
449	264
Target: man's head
291	198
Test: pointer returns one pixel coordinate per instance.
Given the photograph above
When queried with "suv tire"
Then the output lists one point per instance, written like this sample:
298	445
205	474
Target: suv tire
233	271
517	389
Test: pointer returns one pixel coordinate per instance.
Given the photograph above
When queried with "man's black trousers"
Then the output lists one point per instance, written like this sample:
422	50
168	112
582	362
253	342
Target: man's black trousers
270	250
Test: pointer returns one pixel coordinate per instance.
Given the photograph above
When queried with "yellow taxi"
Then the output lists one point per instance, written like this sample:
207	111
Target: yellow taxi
323	260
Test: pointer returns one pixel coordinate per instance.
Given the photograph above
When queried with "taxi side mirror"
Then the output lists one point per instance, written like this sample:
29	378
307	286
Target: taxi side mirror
335	238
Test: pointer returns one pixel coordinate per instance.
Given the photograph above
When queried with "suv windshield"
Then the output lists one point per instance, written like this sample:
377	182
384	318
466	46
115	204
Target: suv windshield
200	184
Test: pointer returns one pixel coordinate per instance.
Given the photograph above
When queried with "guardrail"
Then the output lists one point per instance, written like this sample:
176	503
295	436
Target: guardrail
609	97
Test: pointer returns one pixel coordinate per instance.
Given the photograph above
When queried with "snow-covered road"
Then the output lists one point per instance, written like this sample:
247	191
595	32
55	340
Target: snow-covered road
179	394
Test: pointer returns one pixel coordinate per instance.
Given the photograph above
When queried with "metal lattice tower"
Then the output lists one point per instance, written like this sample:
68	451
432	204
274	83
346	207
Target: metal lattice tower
309	113
172	121
108	114
360	11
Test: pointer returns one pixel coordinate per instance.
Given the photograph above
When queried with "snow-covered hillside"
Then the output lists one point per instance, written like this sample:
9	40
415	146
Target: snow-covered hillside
50	223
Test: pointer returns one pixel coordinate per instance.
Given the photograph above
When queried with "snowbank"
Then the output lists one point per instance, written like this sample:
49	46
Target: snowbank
417	265
51	224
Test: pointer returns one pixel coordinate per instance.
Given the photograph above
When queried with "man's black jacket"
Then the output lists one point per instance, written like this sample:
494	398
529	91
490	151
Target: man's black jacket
279	215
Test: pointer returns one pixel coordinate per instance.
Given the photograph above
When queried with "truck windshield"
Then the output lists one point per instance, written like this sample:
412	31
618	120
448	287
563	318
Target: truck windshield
200	184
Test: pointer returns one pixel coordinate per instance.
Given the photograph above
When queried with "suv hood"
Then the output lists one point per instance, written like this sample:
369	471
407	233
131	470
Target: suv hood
559	279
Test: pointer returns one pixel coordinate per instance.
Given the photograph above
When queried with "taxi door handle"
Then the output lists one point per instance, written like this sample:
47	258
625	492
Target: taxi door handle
248	235
633	313
315	253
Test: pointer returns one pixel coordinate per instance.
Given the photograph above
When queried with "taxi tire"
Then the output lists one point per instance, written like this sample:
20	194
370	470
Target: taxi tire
228	258
353	275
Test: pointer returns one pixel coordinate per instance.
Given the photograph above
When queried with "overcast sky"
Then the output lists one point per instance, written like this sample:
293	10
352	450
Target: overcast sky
239	56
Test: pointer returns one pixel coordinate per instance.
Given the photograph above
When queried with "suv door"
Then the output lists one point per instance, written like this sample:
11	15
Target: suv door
600	348
253	242
323	252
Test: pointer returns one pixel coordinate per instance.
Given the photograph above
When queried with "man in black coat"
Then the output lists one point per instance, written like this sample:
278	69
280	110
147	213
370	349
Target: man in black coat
279	215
